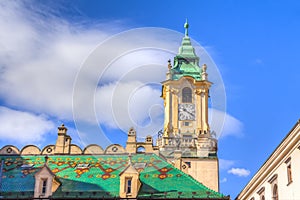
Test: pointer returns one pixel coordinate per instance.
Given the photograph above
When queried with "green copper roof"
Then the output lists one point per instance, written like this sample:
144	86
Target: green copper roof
186	62
101	179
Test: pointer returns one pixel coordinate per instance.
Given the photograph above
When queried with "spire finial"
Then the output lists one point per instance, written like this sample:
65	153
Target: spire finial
186	26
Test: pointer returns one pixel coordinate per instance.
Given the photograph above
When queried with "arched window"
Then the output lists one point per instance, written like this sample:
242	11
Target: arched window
141	149
186	95
275	192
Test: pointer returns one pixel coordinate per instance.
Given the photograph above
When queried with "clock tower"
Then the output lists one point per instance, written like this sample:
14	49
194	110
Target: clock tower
186	140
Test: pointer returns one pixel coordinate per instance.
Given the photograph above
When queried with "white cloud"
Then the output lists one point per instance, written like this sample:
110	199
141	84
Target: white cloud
19	127
130	104
232	126
223	180
241	172
39	67
225	164
40	56
225	124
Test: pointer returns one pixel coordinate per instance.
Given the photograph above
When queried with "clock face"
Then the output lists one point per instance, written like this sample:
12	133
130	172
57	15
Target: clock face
186	111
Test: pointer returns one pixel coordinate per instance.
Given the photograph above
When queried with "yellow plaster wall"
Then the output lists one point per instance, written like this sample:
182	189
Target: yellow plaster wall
206	171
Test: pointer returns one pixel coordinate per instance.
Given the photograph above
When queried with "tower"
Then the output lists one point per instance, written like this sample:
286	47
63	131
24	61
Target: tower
186	138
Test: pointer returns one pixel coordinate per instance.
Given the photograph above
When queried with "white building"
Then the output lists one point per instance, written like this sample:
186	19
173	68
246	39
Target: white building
279	177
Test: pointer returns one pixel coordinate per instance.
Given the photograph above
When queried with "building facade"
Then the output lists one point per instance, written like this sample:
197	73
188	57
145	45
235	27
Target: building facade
279	177
183	164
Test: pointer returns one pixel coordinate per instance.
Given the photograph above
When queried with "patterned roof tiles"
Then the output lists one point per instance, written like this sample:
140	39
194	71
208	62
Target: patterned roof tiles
91	176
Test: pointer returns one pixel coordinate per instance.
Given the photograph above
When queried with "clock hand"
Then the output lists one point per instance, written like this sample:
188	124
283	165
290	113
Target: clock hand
188	112
191	114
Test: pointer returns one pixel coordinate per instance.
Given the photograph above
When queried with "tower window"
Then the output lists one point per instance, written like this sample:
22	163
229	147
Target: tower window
188	164
186	95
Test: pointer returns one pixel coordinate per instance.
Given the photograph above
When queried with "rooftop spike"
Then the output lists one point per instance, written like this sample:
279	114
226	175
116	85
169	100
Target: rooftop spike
186	26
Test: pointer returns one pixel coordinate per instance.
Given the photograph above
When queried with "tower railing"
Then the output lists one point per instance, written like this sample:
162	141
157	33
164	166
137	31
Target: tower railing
177	142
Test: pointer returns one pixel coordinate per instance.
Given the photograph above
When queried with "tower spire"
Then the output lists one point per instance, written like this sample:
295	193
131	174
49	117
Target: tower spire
186	62
186	26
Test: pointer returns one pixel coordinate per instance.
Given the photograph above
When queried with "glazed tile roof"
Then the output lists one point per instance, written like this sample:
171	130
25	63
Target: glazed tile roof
98	175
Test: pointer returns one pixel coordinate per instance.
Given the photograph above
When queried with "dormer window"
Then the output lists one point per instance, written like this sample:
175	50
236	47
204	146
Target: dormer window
129	182
186	95
45	183
128	185
44	186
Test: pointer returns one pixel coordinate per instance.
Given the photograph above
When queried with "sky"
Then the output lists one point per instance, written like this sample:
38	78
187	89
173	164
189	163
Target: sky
96	66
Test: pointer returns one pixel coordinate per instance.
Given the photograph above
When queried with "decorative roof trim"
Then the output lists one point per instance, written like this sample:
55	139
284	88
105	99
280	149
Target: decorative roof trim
30	145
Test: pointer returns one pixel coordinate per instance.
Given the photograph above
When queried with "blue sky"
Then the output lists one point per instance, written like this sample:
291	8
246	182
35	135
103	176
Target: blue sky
45	46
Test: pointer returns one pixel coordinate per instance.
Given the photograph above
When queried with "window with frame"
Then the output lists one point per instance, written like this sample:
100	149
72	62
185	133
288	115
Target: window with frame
188	163
128	185
275	192
186	123
261	193
274	188
186	95
44	186
289	173
289	170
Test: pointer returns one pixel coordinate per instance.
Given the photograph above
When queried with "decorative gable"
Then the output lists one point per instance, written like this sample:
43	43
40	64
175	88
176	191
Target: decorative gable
129	182
46	183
